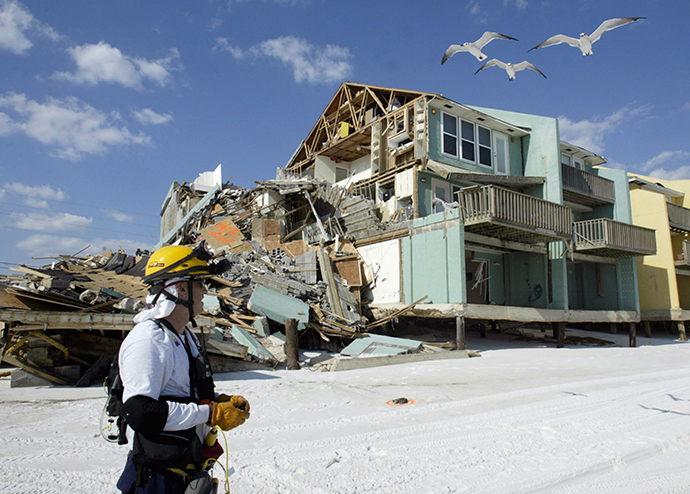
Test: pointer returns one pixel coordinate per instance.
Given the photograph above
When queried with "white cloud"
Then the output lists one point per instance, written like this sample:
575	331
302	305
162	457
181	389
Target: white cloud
50	222
36	203
148	117
72	127
686	107
40	191
105	63
236	52
36	196
16	23
52	245
520	4
7	126
665	157
308	62
680	173
590	134
119	216
671	165
476	10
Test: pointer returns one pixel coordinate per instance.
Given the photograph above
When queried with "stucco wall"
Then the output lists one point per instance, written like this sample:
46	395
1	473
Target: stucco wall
655	274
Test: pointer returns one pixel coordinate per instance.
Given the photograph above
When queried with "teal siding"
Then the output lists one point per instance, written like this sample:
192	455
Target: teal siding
527	279
434	262
628	289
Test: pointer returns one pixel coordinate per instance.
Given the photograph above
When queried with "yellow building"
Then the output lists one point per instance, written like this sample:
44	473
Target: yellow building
664	278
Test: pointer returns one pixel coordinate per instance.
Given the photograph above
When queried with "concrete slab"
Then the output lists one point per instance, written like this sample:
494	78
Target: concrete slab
380	345
344	364
278	307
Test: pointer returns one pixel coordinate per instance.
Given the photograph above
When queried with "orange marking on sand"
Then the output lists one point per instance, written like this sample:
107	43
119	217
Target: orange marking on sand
391	403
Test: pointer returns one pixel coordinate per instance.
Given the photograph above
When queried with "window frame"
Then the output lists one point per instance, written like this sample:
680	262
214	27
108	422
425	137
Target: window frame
489	147
444	133
474	142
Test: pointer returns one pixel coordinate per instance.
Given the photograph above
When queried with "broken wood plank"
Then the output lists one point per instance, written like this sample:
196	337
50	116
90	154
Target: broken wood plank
59	346
327	276
223	281
12	360
33	272
384	320
241	323
226	348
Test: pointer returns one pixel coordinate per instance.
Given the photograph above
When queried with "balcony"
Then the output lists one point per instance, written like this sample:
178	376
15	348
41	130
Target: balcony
684	263
608	238
586	188
678	218
501	213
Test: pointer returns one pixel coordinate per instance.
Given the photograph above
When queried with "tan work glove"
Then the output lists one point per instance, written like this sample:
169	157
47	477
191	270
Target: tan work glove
236	400
226	416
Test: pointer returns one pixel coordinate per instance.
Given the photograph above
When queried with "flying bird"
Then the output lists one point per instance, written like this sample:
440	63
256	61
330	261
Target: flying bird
509	67
585	42
476	47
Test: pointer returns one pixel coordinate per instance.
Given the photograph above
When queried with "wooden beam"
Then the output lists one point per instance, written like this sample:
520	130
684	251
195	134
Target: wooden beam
378	101
647	329
632	329
460	341
559	333
291	344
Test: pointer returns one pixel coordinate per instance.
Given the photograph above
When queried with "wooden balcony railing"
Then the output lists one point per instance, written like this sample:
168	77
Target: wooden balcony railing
497	212
678	218
586	188
608	238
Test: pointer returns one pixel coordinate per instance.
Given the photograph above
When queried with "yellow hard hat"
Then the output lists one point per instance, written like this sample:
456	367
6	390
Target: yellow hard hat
177	261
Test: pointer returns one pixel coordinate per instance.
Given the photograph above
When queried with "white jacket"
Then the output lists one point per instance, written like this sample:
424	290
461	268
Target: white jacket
153	362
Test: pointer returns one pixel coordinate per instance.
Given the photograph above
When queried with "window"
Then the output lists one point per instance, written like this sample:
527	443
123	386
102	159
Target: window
569	160
476	143
468	141
450	134
484	140
455	193
441	191
340	173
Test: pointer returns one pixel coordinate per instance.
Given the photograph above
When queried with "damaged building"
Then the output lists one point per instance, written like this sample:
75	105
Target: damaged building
401	213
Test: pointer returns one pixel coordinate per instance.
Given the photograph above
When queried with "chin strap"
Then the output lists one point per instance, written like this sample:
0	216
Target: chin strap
189	303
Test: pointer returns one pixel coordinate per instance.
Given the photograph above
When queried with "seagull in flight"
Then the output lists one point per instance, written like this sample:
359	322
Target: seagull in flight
585	42
510	68
474	48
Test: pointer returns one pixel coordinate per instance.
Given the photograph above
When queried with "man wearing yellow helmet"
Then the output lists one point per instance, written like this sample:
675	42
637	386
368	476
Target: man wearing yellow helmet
168	401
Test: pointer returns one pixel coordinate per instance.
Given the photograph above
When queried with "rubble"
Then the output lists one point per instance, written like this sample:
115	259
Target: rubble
291	246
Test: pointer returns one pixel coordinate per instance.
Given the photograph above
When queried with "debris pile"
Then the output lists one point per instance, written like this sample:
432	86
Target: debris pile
292	247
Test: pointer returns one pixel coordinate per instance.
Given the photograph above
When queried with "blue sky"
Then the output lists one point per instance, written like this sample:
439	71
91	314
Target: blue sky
104	104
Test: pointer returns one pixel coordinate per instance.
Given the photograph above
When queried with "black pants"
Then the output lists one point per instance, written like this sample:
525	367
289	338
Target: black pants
153	482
